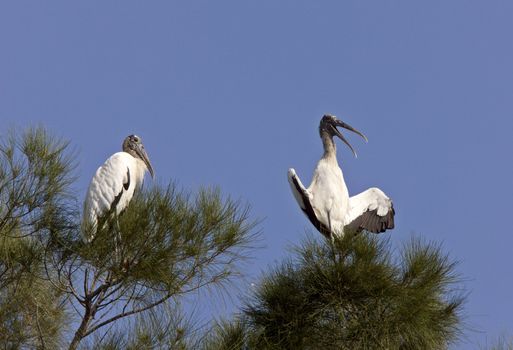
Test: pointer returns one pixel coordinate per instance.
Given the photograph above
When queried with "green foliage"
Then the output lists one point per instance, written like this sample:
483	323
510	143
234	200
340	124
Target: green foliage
351	295
31	314
56	290
169	241
34	188
169	245
165	329
228	336
35	179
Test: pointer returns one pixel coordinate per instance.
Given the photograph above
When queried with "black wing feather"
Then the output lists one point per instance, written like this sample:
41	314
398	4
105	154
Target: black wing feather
372	222
126	185
308	210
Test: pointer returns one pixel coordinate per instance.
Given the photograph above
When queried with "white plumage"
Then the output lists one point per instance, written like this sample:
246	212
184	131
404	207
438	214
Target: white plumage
326	201
114	183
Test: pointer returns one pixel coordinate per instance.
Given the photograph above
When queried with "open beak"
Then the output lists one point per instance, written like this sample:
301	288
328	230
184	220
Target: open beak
350	128
141	152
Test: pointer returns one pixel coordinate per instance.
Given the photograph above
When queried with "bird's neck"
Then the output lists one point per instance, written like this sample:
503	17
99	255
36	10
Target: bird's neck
330	150
131	152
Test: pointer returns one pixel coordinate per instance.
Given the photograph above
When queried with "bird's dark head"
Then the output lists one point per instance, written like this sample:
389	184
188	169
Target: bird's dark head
328	127
133	146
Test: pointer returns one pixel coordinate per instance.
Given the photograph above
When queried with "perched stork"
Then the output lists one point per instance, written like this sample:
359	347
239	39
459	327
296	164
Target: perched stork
326	201
114	183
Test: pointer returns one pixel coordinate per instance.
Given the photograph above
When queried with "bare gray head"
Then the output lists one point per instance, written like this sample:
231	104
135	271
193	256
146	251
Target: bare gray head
133	146
328	127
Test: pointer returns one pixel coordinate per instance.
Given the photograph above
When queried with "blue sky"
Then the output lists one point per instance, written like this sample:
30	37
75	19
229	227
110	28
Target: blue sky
230	93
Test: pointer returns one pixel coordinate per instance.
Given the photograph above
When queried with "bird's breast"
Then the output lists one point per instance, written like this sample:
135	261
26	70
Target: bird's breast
329	191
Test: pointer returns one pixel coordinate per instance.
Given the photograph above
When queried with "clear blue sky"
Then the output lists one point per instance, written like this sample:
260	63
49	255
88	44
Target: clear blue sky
230	93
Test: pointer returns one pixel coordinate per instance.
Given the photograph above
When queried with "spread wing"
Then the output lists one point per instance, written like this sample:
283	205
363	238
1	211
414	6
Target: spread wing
370	210
303	199
111	189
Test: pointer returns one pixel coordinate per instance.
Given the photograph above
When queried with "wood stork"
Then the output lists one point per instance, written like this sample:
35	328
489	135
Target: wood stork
326	201
114	183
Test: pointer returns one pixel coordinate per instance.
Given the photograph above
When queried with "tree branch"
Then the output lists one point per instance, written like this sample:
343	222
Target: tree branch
128	313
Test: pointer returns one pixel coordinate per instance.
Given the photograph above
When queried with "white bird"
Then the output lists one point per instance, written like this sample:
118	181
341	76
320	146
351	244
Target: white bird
326	201
114	183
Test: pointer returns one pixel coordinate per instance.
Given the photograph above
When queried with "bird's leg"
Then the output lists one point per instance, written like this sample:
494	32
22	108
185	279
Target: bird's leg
117	241
123	262
329	226
332	236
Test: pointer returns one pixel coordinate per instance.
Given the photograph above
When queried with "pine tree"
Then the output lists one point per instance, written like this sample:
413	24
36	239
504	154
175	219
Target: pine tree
354	294
35	176
58	292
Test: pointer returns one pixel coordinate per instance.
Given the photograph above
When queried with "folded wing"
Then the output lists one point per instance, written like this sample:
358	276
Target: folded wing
111	189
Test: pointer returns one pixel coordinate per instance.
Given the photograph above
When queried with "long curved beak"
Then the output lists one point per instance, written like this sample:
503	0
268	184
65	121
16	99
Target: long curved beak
350	128
141	152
